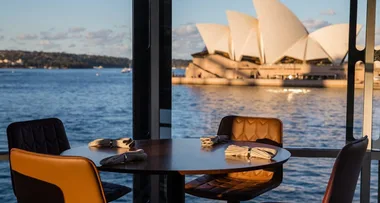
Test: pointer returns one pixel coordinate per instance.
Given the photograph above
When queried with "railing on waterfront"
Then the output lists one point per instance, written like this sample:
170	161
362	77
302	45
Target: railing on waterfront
4	156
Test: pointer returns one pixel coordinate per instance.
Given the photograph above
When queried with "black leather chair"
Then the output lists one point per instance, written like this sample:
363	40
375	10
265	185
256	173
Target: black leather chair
48	136
345	173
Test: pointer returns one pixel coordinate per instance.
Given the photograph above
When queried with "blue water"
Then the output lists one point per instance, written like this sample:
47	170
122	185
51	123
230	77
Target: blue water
98	103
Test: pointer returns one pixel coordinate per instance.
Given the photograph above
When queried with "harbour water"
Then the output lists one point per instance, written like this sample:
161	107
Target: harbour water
98	104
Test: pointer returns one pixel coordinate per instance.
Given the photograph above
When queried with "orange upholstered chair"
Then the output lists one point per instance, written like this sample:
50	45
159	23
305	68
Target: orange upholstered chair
48	178
48	136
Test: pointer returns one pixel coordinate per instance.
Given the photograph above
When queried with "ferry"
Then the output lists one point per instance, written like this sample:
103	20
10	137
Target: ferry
97	67
126	70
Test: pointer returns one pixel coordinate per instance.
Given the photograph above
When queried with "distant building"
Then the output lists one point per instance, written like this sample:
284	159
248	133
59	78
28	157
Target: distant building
19	61
274	45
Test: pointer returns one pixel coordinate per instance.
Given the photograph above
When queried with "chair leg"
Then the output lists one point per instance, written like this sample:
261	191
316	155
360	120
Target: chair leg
233	201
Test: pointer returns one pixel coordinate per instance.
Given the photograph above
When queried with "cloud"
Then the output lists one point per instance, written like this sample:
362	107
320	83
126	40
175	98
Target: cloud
76	36
54	36
100	34
2	37
47	45
185	30
118	37
77	29
13	48
121	26
107	42
328	12
118	50
72	45
1	30
186	41
105	37
103	33
27	37
315	24
17	42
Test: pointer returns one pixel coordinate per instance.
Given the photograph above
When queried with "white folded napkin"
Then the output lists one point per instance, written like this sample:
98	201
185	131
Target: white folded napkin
208	141
263	153
234	150
126	143
138	155
245	151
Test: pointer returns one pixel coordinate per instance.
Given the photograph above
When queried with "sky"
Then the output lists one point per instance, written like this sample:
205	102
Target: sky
103	27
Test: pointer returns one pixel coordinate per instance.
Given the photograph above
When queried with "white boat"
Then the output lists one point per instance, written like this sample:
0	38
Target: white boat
97	67
126	70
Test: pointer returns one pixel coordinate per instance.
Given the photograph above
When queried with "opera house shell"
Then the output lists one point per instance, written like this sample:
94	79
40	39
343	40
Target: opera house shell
268	45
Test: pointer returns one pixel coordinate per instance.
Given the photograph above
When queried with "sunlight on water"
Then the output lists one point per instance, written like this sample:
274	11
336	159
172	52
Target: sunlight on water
292	90
289	92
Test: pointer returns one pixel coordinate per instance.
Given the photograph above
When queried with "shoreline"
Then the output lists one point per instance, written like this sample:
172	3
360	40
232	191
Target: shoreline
267	82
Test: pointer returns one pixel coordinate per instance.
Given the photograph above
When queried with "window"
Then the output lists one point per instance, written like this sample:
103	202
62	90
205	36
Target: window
290	90
68	60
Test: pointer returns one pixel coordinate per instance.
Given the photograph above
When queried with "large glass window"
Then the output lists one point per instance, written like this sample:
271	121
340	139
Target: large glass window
70	60
244	60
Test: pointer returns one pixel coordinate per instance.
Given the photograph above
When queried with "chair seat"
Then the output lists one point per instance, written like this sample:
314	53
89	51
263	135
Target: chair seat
114	191
222	187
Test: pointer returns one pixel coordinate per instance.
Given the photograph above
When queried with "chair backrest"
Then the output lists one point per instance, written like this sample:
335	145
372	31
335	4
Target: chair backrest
46	136
263	130
345	173
49	178
256	129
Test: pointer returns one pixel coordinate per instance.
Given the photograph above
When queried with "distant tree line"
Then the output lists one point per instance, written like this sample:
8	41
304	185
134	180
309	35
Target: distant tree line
180	63
59	60
41	59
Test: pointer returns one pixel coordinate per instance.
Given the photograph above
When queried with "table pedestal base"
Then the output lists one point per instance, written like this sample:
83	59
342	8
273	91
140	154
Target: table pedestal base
176	188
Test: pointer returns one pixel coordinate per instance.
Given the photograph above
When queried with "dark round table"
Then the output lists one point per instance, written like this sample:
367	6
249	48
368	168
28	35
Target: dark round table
178	157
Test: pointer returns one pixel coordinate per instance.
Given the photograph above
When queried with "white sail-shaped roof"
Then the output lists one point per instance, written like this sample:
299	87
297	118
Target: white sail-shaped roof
216	37
307	49
315	51
277	33
297	51
245	35
334	40
279	27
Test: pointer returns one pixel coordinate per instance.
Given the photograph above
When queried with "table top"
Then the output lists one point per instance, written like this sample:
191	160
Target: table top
185	156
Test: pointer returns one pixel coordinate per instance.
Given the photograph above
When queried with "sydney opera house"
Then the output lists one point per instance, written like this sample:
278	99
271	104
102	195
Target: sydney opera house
274	45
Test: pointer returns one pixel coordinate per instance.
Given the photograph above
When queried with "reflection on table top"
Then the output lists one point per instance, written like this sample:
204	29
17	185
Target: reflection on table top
185	156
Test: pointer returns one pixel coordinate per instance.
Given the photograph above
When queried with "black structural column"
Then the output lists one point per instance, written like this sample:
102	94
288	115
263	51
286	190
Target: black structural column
165	57
353	57
141	88
161	94
141	69
152	47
